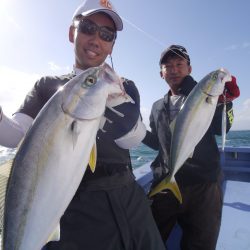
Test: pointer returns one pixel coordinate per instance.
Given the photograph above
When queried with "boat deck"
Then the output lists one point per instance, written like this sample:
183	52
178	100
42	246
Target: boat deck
235	229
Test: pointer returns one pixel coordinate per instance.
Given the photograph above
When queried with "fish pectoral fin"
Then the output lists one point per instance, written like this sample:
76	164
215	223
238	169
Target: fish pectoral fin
75	132
211	100
166	184
55	235
92	158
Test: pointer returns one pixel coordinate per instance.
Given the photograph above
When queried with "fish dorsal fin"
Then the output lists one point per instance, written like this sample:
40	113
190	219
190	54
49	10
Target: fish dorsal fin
55	236
92	158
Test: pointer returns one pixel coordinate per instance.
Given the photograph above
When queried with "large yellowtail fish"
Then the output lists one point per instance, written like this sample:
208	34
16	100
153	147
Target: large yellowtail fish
191	124
52	158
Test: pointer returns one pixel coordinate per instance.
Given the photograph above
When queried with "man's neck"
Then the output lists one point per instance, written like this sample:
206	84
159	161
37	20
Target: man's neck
174	92
76	70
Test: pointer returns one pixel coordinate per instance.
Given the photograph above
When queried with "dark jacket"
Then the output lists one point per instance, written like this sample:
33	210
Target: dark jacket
204	166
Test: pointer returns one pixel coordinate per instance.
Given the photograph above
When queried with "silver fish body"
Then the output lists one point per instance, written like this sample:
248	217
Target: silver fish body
53	156
191	124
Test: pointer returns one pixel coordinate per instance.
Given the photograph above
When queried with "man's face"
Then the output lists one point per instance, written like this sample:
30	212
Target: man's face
91	50
174	70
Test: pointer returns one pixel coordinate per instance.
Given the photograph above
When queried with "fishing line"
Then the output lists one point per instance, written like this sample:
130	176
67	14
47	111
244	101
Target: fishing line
149	36
142	31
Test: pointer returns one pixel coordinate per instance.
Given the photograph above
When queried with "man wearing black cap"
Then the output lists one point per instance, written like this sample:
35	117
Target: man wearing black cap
199	178
109	210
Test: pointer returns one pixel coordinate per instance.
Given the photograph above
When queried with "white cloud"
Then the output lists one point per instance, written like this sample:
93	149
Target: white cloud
244	45
242	116
232	47
53	66
12	21
14	85
4	15
58	69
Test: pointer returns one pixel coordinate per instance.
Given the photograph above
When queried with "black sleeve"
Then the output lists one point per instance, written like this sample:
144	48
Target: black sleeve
151	140
41	93
216	124
33	102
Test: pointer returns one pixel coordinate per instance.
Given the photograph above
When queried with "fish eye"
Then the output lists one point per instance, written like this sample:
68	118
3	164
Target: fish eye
214	76
89	81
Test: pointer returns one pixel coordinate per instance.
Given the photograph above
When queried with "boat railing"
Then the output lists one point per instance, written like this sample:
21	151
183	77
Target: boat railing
234	161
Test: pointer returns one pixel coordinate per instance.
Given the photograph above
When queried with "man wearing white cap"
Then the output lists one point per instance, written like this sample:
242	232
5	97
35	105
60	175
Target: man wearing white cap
109	210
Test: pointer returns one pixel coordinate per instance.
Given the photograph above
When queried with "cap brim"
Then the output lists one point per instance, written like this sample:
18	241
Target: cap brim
116	18
173	51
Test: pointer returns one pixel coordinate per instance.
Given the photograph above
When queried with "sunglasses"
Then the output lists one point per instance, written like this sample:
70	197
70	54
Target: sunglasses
88	27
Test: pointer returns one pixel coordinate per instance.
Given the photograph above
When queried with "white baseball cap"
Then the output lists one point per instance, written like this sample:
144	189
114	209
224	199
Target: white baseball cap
89	7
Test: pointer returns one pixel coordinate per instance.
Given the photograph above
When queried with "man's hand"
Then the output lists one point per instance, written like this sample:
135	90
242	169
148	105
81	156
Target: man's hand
119	120
231	91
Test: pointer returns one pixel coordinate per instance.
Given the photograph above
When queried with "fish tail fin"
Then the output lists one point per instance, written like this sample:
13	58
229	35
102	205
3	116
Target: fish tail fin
159	187
173	186
167	184
92	158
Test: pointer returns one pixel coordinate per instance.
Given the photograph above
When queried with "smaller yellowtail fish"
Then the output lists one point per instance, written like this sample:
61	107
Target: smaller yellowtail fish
196	115
51	160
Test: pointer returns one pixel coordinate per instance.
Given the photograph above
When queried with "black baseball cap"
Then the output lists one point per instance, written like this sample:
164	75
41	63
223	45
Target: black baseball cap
174	50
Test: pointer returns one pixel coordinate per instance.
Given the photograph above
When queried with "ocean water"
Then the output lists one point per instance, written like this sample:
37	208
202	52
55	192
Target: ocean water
143	154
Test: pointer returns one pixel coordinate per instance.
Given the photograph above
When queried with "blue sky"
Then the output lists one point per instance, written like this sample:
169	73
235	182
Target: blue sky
34	42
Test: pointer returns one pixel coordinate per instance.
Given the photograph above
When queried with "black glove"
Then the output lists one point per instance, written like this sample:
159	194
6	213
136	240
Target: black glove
123	117
187	85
